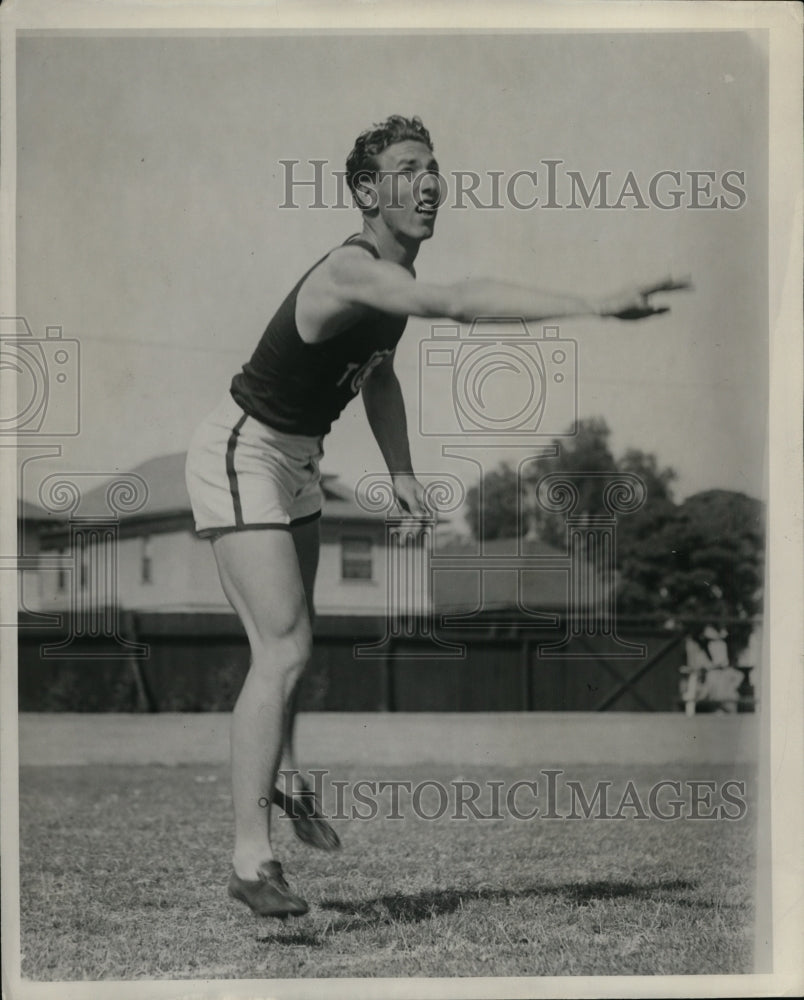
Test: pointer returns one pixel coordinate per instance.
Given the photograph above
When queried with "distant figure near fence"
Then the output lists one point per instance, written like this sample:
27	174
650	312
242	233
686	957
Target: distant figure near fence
709	682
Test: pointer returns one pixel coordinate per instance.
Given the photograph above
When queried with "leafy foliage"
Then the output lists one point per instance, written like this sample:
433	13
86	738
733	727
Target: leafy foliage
700	560
494	513
715	566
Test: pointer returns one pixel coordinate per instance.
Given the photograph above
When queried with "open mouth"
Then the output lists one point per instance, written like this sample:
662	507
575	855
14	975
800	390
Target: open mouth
430	210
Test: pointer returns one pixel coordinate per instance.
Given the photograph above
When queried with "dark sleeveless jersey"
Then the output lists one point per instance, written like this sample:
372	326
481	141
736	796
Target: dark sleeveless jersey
300	388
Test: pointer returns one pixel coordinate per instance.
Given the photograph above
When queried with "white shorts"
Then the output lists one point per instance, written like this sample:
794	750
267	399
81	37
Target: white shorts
242	474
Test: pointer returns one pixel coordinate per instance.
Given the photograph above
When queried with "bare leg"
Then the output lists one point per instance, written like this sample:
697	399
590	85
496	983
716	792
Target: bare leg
260	575
309	824
306	541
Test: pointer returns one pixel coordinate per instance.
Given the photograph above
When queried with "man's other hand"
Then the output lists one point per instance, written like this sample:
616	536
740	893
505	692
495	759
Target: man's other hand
409	494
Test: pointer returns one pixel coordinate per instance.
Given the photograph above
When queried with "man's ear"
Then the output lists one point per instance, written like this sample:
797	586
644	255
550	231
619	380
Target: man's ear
365	191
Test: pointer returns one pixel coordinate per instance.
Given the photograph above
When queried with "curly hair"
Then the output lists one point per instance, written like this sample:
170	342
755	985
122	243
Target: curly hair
370	143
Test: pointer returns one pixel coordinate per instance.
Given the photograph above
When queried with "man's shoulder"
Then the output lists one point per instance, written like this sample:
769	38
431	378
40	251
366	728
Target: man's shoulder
360	241
353	251
349	258
340	259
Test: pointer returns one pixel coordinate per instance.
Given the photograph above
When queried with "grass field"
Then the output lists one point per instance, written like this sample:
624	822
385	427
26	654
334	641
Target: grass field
123	873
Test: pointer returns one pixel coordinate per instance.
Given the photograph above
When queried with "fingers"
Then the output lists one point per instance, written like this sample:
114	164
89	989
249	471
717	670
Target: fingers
666	285
640	312
413	509
419	511
416	521
634	311
414	505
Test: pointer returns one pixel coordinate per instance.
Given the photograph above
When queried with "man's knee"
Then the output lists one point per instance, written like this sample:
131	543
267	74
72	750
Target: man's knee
284	651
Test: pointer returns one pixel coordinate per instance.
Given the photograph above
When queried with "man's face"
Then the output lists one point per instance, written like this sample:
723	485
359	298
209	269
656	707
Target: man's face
407	189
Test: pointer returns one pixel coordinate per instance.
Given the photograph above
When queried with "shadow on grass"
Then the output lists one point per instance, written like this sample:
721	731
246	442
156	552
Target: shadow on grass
270	934
401	908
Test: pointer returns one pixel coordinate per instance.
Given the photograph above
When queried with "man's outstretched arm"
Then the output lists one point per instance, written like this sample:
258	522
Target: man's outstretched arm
360	280
385	409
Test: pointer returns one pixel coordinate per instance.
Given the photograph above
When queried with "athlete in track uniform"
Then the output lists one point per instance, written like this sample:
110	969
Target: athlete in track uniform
252	468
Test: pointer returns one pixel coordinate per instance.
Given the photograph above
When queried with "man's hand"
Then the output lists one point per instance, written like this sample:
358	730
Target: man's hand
635	303
409	494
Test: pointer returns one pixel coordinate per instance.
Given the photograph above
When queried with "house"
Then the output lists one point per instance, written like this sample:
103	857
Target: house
524	576
151	560
429	624
38	570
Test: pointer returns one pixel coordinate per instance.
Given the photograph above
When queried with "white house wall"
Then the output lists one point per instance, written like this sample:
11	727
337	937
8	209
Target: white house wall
184	576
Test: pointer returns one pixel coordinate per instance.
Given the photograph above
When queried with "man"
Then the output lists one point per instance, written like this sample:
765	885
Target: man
252	469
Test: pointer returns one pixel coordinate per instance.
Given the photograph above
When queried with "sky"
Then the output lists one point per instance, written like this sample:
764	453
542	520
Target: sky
149	224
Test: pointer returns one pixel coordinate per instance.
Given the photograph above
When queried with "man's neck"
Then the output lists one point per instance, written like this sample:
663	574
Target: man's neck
390	247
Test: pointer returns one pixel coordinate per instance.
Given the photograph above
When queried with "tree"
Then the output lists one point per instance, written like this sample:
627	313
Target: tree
715	567
497	516
644	537
587	451
700	561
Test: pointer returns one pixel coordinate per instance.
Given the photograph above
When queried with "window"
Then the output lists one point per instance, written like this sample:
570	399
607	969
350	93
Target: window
356	559
146	563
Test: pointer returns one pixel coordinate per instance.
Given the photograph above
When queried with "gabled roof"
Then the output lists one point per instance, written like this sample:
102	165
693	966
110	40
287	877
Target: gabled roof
509	546
167	494
505	586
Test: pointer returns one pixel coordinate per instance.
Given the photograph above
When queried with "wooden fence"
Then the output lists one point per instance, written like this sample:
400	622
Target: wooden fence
197	662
